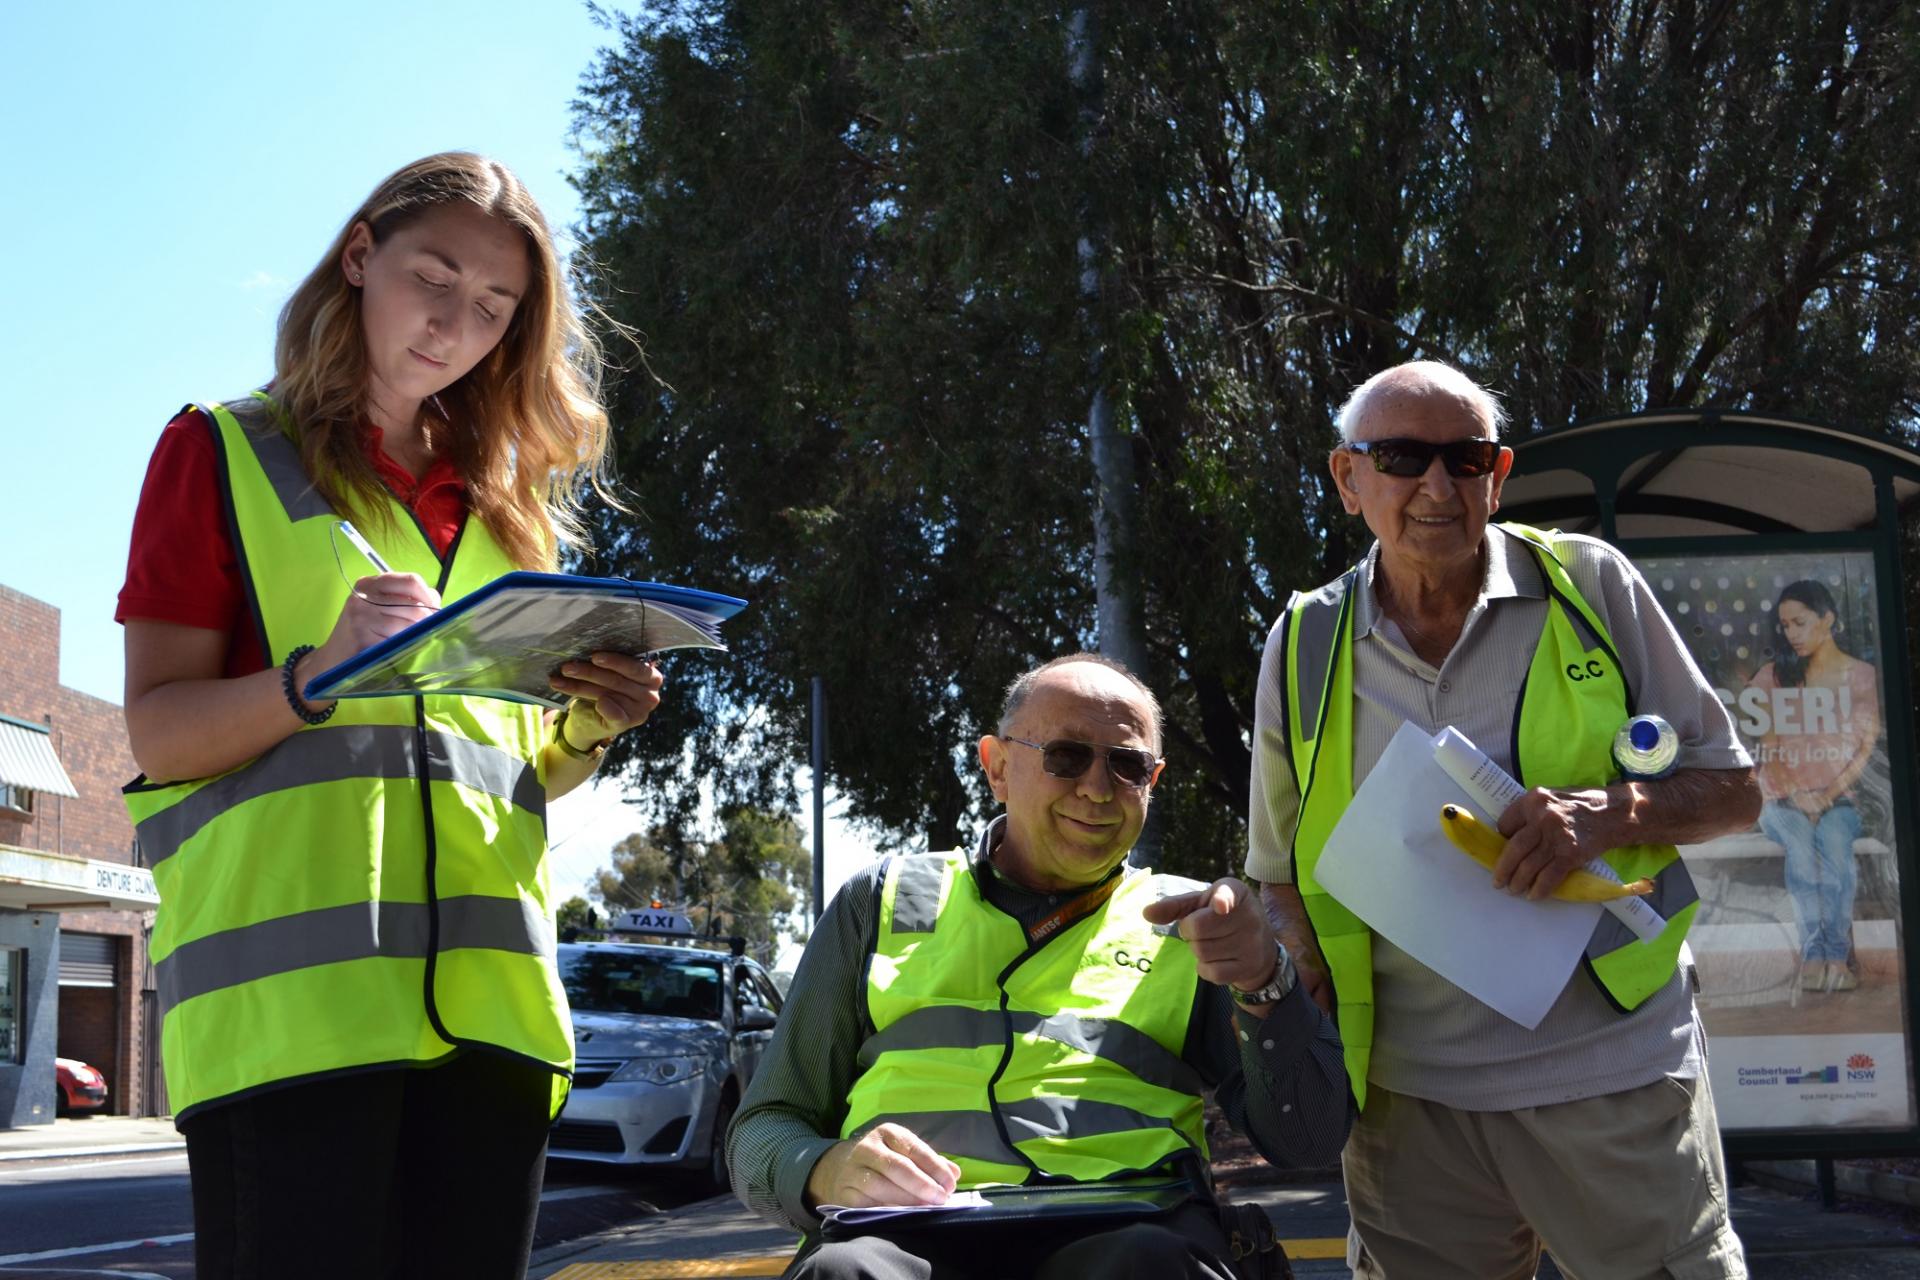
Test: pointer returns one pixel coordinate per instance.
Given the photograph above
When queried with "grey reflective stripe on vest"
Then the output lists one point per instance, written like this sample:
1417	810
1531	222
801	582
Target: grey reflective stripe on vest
1054	1116
334	754
357	931
1315	635
959	1027
280	459
916	894
1673	892
972	1135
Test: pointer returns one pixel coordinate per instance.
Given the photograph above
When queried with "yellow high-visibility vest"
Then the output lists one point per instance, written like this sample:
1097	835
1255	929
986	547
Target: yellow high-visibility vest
1572	703
372	890
1013	1060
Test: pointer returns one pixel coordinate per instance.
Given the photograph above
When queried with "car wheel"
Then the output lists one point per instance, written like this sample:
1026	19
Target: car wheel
717	1175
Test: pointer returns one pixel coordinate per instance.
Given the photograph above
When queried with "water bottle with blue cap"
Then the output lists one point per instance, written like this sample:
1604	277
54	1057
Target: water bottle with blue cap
1646	749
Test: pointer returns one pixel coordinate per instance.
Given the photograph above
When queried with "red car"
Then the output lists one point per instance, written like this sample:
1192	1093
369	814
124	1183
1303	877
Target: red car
81	1087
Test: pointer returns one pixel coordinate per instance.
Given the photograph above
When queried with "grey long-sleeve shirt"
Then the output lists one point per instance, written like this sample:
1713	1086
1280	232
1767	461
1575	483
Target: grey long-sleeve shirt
1280	1080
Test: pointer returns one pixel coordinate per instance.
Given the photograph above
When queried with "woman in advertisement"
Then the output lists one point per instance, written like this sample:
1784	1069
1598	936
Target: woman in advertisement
1820	738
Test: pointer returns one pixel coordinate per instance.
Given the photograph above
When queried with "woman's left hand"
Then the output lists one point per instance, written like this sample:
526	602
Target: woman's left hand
612	692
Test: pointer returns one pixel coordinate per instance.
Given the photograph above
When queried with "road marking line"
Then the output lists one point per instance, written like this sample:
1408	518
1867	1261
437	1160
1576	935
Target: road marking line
56	1153
581	1193
1316	1247
772	1264
67	1272
94	1164
44	1254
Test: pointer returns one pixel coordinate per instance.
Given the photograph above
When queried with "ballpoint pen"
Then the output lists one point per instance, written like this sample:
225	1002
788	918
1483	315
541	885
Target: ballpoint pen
365	547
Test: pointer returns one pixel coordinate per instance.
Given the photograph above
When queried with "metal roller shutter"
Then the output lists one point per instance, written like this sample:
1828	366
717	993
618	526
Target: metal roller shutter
86	960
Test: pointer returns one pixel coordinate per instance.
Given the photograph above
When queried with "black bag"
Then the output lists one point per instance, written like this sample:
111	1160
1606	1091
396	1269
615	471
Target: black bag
1257	1254
1256	1251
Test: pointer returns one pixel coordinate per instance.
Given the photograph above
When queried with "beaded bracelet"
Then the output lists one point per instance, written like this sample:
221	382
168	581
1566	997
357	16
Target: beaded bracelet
300	708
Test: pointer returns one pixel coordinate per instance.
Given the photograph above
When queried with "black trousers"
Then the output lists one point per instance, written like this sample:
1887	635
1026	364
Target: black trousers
421	1172
1186	1244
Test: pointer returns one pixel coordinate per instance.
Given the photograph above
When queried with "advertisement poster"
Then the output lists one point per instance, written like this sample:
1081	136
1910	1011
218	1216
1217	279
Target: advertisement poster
1798	938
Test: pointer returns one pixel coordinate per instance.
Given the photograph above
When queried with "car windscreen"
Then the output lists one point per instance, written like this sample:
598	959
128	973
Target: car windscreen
611	981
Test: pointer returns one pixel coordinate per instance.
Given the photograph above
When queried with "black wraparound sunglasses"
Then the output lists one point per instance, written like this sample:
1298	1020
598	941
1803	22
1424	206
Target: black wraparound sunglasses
1400	457
1065	758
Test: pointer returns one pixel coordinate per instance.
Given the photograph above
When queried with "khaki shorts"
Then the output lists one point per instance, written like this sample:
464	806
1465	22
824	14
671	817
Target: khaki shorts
1619	1187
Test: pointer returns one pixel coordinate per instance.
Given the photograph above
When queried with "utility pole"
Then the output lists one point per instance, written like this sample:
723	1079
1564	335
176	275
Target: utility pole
1116	583
819	758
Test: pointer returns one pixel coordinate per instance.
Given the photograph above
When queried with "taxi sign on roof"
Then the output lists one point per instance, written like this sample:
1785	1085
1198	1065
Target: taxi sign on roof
657	921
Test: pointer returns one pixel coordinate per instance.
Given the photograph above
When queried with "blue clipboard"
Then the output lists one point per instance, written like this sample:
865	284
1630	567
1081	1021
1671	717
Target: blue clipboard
508	638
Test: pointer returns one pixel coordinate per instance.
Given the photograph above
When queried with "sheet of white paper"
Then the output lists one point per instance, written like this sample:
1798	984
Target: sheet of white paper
1389	863
880	1212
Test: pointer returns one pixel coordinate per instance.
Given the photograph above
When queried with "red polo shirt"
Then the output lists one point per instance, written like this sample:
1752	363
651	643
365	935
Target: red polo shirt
182	567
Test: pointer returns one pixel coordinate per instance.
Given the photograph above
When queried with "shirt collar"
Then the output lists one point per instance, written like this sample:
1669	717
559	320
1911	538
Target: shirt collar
440	471
990	840
1509	573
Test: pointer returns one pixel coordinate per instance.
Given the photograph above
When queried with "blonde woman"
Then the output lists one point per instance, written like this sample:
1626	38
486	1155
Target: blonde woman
364	1037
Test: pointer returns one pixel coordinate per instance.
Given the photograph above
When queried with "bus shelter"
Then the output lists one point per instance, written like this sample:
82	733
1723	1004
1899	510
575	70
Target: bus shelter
1774	545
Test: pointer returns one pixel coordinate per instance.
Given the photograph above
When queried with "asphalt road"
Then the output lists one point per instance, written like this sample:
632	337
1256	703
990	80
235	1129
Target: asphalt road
129	1217
132	1216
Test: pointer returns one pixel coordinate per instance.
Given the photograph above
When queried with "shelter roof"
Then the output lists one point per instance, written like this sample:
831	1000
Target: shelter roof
1706	472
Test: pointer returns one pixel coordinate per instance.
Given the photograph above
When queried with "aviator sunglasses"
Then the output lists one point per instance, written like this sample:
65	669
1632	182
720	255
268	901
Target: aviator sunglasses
1407	458
1065	758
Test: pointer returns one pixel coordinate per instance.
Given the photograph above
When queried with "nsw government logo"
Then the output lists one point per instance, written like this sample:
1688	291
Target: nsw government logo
1859	1067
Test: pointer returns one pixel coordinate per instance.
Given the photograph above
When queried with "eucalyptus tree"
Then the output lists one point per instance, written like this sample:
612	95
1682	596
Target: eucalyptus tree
844	237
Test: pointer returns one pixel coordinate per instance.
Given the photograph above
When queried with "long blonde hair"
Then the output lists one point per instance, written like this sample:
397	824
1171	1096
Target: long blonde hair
528	434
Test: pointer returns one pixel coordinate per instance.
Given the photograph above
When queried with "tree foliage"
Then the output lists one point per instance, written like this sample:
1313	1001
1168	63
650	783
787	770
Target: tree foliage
845	236
743	882
575	913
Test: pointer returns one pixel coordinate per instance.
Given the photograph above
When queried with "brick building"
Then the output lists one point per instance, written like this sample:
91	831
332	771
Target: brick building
75	907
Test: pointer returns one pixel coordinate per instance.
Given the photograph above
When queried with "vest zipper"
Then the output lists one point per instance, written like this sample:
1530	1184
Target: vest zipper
426	816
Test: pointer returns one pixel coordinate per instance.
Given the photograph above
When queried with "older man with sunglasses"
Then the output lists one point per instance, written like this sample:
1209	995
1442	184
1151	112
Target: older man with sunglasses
1032	1011
1480	1140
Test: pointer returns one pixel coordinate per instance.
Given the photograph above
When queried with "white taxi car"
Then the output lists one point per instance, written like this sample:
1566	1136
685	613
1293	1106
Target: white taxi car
666	1038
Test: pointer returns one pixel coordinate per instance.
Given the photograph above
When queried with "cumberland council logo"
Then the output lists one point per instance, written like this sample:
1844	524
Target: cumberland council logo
1860	1067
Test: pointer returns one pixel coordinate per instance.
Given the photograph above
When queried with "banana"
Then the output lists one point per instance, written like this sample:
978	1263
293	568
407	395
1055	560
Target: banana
1484	845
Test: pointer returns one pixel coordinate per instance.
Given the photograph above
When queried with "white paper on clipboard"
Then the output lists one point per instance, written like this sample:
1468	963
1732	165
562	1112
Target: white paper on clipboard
1388	862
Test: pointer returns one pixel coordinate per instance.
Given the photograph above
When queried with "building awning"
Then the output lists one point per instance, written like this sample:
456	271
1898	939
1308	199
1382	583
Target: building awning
27	760
33	880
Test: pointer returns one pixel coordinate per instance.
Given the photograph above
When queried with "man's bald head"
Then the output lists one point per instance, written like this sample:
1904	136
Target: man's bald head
1413	381
1022	688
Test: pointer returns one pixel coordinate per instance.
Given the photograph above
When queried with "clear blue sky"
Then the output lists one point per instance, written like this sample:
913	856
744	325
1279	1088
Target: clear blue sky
172	171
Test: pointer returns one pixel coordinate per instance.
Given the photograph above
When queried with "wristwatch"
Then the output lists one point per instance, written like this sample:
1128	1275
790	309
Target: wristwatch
1277	986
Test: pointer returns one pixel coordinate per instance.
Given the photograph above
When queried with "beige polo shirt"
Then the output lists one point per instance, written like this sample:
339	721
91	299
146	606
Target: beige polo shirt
1431	1039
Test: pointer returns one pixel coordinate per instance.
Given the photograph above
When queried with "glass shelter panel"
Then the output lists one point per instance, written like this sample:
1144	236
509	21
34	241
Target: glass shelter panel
13	1037
1798	939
